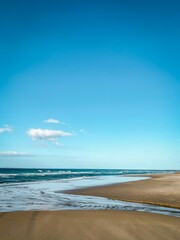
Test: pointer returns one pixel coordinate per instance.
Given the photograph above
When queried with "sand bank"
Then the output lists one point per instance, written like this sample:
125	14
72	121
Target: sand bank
163	190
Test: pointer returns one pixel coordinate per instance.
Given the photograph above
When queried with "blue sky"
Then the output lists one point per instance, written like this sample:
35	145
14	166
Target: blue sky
108	71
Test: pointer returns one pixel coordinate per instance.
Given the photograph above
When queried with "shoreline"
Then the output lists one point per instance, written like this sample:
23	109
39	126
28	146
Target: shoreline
49	195
158	189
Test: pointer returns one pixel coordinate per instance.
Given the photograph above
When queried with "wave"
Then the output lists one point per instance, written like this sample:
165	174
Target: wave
61	180
35	175
57	173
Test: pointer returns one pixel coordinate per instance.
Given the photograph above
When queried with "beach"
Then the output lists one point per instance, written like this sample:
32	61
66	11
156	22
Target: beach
161	190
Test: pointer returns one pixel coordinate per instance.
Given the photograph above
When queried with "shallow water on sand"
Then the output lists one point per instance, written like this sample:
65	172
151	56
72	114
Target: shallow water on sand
48	195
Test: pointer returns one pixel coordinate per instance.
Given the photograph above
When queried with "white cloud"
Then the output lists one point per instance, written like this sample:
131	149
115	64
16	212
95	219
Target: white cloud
6	128
51	120
14	154
47	135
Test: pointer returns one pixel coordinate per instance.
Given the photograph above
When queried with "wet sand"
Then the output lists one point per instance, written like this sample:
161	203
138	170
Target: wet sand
162	190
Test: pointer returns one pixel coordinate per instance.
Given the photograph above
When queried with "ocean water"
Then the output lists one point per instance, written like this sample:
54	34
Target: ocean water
42	189
10	175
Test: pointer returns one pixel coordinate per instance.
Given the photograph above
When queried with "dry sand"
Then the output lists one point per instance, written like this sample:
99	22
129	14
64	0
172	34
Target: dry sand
103	225
88	225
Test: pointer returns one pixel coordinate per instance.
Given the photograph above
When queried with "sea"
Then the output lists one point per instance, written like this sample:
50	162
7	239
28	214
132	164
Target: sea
44	189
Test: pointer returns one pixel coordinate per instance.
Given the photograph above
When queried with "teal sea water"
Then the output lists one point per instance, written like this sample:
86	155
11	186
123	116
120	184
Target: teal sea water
12	175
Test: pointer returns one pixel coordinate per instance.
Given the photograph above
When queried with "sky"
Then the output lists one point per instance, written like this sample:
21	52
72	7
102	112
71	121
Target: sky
90	84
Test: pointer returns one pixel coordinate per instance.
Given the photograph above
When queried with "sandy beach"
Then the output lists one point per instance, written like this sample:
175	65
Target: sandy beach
103	224
81	225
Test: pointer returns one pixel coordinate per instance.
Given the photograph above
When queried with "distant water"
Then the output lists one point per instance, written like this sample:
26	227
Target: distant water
42	189
10	175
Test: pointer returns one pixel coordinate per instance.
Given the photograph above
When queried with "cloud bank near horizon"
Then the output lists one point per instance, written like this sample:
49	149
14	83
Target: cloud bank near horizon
15	154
